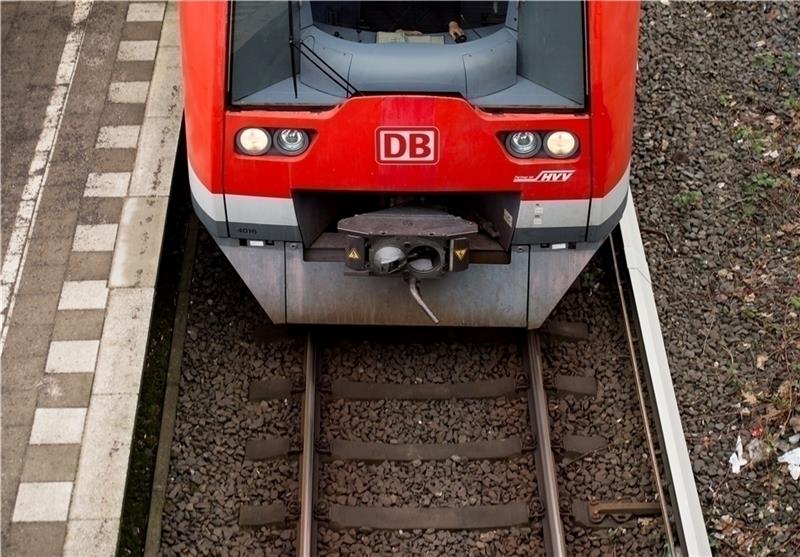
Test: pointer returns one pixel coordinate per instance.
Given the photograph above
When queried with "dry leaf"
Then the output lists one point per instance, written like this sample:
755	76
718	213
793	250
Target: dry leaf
771	413
749	398
761	360
785	390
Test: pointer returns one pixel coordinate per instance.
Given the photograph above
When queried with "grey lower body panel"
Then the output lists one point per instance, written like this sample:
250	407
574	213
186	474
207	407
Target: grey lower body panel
520	294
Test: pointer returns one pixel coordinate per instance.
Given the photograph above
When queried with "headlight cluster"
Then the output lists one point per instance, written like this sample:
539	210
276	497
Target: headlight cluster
556	144
257	141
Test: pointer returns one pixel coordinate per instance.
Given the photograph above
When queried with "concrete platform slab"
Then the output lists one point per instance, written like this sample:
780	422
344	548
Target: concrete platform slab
36	539
51	463
139	241
91	537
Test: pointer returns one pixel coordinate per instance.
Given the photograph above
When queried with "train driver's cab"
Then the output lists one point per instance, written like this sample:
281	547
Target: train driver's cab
495	54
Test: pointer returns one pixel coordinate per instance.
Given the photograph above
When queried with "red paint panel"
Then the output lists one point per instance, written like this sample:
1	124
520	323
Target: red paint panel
342	155
613	30
204	60
471	157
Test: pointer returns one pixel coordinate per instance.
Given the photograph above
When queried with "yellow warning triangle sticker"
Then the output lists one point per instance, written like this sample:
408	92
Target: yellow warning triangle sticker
353	254
460	253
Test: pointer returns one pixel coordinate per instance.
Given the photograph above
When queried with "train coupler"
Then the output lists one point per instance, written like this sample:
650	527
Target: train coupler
419	242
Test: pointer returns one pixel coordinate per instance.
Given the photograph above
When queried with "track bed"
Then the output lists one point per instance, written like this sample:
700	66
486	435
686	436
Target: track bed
409	441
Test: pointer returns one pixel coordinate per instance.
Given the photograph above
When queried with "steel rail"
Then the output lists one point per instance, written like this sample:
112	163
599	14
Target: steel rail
651	447
555	543
687	512
306	527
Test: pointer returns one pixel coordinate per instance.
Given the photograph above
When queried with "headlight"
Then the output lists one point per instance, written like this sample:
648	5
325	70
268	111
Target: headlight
291	142
560	145
252	141
523	144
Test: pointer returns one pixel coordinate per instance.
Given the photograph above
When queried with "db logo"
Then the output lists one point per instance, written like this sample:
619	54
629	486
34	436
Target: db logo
407	145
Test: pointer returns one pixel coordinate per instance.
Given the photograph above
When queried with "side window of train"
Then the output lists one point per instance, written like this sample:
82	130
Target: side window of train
550	46
260	54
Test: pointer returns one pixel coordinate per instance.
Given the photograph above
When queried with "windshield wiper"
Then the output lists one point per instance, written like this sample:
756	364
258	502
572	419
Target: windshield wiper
330	73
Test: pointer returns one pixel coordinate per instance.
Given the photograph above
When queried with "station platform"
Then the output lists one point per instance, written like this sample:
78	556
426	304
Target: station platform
91	113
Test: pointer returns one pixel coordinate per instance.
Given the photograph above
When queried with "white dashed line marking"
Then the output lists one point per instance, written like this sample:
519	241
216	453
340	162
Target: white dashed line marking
17	252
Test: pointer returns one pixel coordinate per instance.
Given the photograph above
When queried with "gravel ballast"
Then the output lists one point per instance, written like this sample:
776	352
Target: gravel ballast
209	479
622	469
716	179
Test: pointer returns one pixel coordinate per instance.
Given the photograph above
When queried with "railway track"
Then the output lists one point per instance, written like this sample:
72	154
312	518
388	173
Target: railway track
422	441
348	450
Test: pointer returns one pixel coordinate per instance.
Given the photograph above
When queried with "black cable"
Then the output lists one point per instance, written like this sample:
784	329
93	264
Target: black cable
291	45
339	79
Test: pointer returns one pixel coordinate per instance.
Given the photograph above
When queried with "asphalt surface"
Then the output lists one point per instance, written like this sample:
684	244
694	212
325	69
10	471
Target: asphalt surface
33	35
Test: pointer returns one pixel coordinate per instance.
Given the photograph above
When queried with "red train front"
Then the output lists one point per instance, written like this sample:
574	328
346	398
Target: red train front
356	169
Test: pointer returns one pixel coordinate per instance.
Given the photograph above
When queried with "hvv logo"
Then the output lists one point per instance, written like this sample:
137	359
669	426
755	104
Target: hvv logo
547	176
407	145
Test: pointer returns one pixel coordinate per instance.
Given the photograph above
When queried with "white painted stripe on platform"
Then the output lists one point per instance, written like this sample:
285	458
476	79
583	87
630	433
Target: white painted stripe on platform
42	502
95	510
137	51
14	260
94	237
83	294
128	92
72	356
57	426
117	137
107	184
691	526
145	11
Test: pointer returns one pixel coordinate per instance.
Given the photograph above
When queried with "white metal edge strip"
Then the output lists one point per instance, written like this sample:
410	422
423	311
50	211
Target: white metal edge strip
572	212
278	211
604	207
552	214
213	204
687	501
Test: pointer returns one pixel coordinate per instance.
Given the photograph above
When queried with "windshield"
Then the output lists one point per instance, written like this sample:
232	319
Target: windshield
494	54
